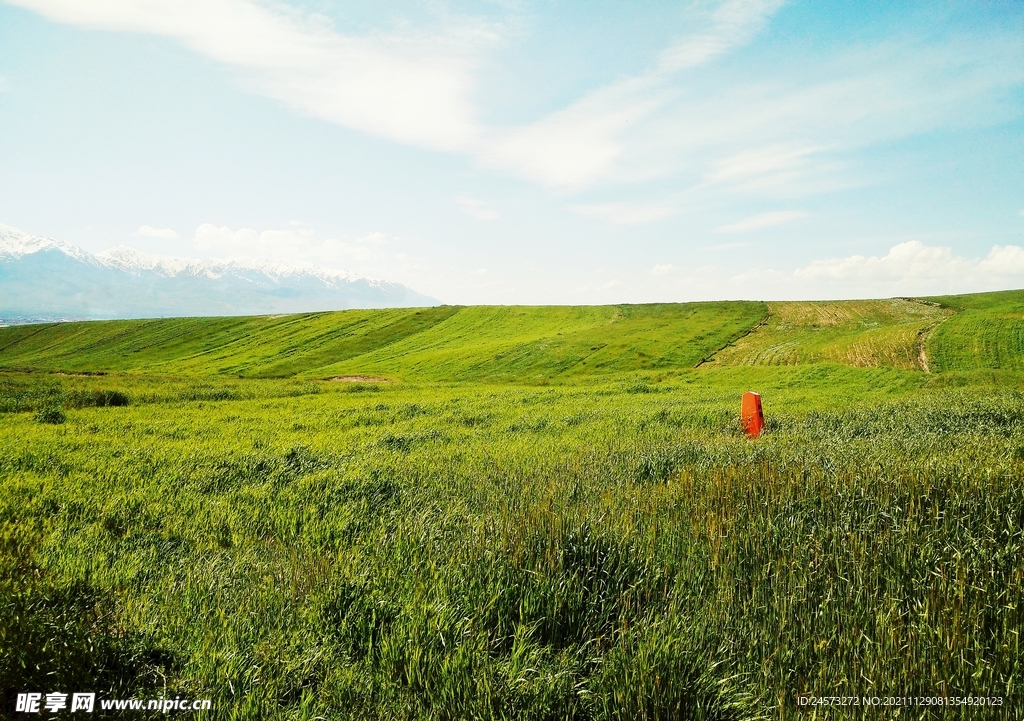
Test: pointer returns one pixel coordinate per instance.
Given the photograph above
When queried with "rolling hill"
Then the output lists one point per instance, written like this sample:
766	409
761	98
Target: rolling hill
541	343
443	343
868	333
987	331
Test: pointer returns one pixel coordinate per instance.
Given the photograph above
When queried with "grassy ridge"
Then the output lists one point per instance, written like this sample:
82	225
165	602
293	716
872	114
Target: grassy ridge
449	343
538	344
870	333
986	332
245	345
534	343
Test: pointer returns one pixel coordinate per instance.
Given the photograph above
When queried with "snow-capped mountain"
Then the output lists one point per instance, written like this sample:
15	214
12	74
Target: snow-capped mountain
132	260
46	279
15	244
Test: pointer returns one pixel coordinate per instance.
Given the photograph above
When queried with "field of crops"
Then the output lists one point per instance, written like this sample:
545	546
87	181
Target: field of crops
544	513
868	334
439	344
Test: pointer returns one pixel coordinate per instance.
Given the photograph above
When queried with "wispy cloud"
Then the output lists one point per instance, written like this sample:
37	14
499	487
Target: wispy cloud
416	87
476	208
788	131
626	213
766	168
372	255
148	231
410	87
763	220
577	146
590	139
4	84
916	265
907	269
729	25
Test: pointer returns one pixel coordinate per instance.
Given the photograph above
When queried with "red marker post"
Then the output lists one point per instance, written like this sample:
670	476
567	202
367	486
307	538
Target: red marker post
751	415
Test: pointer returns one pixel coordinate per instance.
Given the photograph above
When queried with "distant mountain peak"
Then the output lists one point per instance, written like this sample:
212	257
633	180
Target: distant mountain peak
129	259
44	278
15	243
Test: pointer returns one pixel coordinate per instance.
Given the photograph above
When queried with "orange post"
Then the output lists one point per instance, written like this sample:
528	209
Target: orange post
751	415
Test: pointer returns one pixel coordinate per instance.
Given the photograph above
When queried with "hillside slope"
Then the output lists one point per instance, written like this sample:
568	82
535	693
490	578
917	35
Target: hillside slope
503	343
539	343
862	333
986	332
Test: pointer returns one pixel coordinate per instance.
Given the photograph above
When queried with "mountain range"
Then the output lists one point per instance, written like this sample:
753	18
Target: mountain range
42	279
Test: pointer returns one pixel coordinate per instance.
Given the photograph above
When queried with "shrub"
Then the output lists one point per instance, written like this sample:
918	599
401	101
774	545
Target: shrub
51	414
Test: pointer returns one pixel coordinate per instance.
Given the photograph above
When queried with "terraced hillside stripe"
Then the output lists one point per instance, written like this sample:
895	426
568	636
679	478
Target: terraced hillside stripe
493	343
986	332
861	333
509	343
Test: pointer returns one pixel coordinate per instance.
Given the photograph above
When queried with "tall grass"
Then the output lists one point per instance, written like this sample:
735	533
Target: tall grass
477	551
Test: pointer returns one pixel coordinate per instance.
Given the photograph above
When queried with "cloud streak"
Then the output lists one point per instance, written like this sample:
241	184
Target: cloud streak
626	213
907	269
147	231
374	255
476	208
786	132
411	88
416	87
913	267
589	140
764	220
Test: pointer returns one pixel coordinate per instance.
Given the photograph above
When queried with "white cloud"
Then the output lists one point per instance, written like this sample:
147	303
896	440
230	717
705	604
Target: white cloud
732	23
763	220
415	87
412	88
791	133
375	238
907	269
1021	213
728	246
771	167
242	242
4	84
579	145
476	208
370	255
148	231
913	268
625	213
585	142
783	130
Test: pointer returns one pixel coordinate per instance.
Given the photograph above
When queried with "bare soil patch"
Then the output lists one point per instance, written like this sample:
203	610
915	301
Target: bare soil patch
358	379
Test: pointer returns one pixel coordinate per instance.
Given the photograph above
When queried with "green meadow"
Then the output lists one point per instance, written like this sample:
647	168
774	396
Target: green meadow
520	512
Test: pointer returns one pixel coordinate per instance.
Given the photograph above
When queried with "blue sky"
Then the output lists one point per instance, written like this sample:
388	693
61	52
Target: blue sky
531	152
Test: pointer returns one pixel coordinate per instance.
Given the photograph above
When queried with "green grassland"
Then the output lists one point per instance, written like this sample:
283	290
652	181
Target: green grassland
545	513
868	333
986	332
445	343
